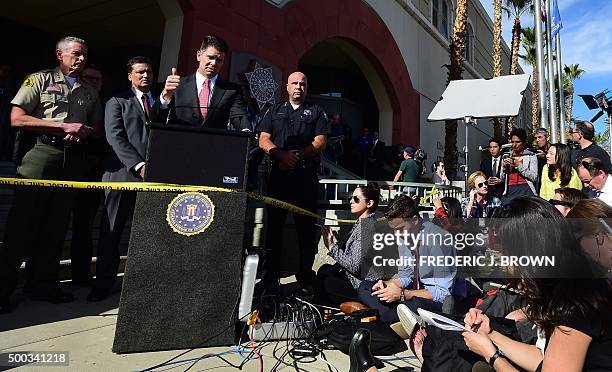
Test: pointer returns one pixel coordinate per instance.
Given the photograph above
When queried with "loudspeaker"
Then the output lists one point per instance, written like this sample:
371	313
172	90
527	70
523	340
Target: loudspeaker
179	291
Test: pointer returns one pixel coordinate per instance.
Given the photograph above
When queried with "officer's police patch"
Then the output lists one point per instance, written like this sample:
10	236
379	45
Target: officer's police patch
28	82
190	213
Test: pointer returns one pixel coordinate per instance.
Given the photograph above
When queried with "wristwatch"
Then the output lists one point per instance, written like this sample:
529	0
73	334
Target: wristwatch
402	298
493	358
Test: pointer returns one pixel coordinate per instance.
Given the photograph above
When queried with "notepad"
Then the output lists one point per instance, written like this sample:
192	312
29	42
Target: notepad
441	321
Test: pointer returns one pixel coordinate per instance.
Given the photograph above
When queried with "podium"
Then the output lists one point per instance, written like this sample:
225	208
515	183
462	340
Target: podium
182	276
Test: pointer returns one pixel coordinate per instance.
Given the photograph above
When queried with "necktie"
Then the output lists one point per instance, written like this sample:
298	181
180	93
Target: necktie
204	94
495	167
146	107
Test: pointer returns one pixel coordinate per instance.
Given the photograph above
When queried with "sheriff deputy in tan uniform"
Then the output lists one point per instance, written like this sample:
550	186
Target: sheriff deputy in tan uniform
62	112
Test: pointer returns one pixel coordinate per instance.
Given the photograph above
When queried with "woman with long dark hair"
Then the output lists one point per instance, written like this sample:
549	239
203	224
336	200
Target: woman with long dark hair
571	308
339	282
558	171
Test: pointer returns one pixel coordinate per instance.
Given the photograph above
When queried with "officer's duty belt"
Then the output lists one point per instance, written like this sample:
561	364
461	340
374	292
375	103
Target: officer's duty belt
48	139
58	141
302	164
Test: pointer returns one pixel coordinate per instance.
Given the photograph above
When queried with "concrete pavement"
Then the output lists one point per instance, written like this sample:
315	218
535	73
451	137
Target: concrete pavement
86	331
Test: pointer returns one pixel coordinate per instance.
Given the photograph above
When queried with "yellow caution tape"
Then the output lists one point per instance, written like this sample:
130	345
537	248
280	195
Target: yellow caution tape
430	194
164	187
158	187
120	186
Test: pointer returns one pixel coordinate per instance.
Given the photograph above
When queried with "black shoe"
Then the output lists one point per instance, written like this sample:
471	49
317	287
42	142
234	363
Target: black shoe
5	305
82	282
54	296
305	292
267	288
98	294
359	353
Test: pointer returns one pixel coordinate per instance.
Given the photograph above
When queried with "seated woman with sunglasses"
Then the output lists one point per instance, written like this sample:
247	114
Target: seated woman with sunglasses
439	173
570	306
558	171
479	203
338	283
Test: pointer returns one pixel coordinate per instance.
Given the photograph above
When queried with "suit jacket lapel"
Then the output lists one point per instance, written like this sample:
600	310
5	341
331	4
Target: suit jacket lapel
194	100
137	127
135	103
218	94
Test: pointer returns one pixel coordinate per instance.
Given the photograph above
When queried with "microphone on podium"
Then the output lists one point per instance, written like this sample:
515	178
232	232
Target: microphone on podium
503	147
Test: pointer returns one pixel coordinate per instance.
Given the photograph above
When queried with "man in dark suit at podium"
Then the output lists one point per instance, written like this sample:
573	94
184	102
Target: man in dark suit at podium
125	117
203	98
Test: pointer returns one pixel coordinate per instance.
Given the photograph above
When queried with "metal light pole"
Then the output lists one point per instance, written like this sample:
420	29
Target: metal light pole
540	63
561	94
552	101
610	132
468	120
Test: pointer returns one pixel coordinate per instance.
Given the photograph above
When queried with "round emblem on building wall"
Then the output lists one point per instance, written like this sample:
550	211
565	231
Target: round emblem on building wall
190	213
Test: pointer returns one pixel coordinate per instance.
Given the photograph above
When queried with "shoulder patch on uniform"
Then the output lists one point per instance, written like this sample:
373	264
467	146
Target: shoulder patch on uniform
28	82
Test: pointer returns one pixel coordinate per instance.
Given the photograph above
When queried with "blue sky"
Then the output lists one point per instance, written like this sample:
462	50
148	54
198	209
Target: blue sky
586	39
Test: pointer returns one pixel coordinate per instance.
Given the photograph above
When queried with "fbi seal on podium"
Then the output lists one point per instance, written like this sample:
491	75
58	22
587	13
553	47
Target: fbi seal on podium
190	213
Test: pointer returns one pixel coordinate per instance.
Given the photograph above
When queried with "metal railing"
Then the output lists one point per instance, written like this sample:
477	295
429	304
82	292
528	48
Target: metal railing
338	192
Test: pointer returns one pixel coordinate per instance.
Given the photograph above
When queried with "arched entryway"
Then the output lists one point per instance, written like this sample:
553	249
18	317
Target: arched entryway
282	36
343	80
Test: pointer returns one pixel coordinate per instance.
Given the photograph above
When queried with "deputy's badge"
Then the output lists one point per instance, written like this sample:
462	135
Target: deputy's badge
28	82
190	213
53	88
307	112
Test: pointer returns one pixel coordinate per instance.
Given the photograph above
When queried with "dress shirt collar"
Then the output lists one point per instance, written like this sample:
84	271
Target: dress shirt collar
606	191
139	95
200	80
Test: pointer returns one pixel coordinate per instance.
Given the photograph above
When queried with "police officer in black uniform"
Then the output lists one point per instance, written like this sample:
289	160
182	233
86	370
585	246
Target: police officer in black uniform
294	134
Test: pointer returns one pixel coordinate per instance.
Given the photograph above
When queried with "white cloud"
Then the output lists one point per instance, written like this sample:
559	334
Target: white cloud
587	40
566	4
586	36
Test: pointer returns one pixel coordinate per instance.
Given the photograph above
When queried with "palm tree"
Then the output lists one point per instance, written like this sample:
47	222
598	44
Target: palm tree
572	72
455	70
497	50
529	45
515	8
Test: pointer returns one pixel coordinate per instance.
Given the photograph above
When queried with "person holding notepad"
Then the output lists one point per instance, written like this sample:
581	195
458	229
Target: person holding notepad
570	306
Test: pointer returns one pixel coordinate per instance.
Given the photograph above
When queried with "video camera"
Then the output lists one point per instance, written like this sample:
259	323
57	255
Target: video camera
420	156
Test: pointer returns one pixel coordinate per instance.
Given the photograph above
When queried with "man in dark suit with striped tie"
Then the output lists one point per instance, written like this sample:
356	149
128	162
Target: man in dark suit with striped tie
125	117
203	98
491	167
